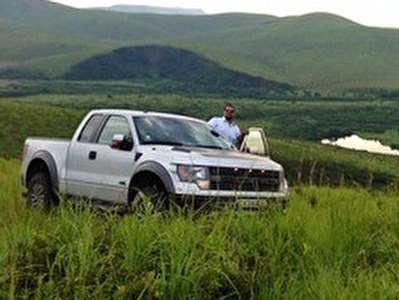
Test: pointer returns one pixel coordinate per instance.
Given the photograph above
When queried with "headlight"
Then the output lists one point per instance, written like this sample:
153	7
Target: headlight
193	174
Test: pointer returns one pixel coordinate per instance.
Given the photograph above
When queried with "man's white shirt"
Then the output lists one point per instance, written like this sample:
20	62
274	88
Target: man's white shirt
229	130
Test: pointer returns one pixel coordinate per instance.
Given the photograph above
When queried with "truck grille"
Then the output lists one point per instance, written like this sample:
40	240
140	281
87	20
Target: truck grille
234	179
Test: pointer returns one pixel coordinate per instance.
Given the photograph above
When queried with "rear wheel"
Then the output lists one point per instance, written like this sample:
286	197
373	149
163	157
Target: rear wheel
40	191
149	195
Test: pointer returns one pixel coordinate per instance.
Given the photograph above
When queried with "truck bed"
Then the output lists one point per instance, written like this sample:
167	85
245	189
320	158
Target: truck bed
56	148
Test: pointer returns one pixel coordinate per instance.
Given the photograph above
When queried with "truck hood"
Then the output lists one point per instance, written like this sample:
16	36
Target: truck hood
215	157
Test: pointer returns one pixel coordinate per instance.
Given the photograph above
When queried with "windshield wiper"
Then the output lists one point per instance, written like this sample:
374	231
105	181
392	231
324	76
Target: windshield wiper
214	133
164	143
182	144
208	146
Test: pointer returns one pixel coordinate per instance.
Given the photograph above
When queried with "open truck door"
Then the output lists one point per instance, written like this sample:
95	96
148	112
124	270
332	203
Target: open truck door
255	142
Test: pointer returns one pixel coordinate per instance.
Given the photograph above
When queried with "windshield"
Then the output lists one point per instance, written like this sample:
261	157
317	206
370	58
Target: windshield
176	131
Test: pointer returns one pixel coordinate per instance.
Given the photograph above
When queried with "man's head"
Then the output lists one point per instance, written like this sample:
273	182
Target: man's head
228	112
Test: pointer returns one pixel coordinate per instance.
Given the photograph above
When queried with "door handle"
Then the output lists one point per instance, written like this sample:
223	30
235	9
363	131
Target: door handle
92	155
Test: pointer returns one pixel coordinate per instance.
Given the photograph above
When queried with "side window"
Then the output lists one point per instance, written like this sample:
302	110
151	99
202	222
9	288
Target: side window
114	125
89	131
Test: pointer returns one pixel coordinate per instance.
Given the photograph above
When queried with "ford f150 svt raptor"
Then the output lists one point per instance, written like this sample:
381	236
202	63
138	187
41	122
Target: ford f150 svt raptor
119	155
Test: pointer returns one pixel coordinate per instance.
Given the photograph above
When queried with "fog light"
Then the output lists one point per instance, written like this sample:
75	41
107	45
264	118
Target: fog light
204	184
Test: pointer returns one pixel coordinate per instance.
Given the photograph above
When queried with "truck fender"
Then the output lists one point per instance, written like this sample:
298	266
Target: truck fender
159	171
48	159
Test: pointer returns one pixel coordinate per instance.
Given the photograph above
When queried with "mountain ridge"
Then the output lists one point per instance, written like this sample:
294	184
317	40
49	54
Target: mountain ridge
318	51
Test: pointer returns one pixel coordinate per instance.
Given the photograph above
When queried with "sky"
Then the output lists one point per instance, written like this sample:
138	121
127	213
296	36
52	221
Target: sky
379	13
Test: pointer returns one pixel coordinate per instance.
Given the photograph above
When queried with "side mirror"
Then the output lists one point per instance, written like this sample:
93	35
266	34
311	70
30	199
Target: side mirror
121	142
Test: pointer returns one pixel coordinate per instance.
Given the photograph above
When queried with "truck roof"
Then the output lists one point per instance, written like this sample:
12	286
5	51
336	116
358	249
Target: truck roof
138	113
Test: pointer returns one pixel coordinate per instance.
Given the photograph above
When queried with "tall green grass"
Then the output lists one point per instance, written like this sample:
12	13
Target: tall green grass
330	243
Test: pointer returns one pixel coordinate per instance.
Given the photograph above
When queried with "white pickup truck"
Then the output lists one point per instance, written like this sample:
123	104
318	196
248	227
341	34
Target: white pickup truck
118	156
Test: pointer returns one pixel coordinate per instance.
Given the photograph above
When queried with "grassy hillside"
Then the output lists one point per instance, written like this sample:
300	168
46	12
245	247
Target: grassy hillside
313	163
322	52
50	20
20	120
318	51
289	119
331	243
48	17
174	67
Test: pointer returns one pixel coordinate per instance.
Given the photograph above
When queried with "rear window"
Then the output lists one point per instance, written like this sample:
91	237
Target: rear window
90	130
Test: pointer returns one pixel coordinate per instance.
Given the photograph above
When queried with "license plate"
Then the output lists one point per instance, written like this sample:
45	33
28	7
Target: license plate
252	202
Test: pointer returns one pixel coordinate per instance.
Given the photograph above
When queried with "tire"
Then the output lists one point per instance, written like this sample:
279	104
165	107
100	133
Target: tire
149	196
40	191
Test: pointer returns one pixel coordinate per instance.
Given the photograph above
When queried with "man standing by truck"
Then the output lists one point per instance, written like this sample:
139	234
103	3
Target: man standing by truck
226	125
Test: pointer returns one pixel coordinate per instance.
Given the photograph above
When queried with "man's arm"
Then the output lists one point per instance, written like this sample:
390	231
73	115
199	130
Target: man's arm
240	136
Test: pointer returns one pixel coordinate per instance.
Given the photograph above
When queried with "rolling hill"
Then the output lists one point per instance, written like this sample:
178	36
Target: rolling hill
160	63
316	51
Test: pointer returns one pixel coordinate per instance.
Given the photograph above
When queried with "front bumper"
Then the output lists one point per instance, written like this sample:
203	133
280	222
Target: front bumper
197	201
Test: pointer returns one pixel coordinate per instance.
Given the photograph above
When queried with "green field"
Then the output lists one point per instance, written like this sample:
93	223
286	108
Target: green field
330	243
295	119
294	129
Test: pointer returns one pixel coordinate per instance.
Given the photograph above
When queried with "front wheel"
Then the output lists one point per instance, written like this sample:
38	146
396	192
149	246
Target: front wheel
149	196
40	191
